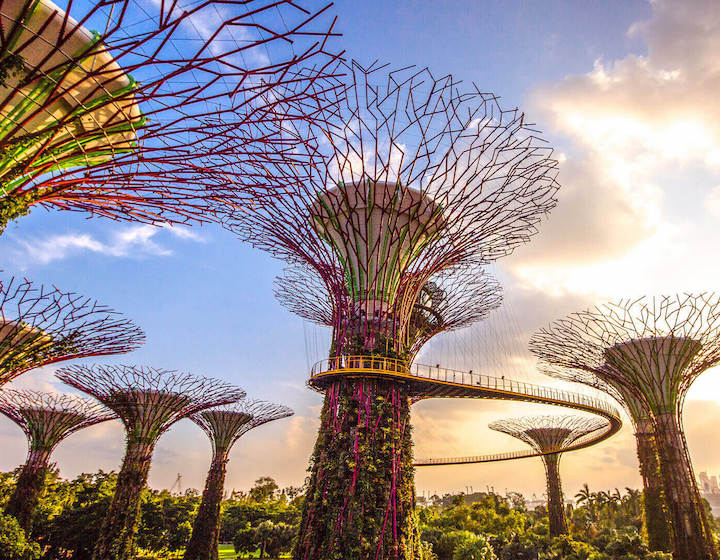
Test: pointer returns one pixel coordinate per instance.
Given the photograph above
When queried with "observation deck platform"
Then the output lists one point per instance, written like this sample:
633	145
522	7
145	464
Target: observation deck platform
424	382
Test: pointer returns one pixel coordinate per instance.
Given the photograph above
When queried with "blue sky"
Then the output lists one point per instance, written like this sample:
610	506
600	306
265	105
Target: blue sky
205	300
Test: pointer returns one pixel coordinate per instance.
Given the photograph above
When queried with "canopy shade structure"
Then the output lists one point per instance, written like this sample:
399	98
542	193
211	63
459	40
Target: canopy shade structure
72	95
41	325
399	179
224	426
126	122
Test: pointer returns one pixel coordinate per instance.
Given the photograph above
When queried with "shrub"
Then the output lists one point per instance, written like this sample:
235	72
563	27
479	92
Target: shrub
475	547
14	545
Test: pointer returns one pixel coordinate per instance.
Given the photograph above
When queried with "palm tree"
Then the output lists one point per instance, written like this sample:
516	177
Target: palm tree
584	496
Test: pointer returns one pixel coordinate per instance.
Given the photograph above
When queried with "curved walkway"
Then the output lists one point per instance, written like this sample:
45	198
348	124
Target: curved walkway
425	382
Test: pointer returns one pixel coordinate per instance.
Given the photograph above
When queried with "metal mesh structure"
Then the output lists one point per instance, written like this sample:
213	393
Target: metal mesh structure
401	179
448	301
123	122
46	419
398	181
551	435
224	426
148	401
649	351
41	325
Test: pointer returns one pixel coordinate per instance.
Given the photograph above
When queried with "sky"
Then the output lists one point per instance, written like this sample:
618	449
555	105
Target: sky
624	91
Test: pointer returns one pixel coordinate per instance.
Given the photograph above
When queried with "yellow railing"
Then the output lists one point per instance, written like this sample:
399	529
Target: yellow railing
349	364
379	365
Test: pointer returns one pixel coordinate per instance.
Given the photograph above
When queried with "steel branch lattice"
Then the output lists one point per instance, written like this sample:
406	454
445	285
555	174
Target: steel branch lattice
48	418
224	426
401	180
448	301
549	434
619	345
648	352
41	325
125	123
149	400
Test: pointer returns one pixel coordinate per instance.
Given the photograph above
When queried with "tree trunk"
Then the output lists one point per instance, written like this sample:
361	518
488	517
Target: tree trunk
556	508
361	497
29	486
205	536
655	515
117	535
691	538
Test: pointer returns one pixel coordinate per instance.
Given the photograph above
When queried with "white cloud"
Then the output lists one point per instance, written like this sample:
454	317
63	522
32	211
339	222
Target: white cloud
712	201
133	241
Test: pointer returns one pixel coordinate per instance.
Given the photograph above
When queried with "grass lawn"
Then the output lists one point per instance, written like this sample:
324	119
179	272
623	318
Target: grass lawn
226	551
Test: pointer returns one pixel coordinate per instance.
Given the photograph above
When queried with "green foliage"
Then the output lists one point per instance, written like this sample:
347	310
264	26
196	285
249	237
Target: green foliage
13	207
475	547
264	489
606	526
14	545
565	548
11	64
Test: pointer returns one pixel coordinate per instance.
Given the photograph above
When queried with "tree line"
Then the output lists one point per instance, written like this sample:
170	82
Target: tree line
263	521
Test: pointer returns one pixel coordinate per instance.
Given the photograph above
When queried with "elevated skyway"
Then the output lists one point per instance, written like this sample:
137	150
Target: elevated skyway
425	381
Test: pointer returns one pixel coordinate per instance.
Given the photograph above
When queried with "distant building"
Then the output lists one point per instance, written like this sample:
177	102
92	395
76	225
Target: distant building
710	491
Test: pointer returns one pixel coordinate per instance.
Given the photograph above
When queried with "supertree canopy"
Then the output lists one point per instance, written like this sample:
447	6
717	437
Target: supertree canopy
148	401
224	426
448	301
401	180
649	351
41	325
551	435
46	419
123	122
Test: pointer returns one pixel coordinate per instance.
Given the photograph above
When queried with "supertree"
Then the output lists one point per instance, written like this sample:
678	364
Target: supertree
125	122
42	325
224	426
46	419
403	179
448	301
148	401
655	513
652	349
551	435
